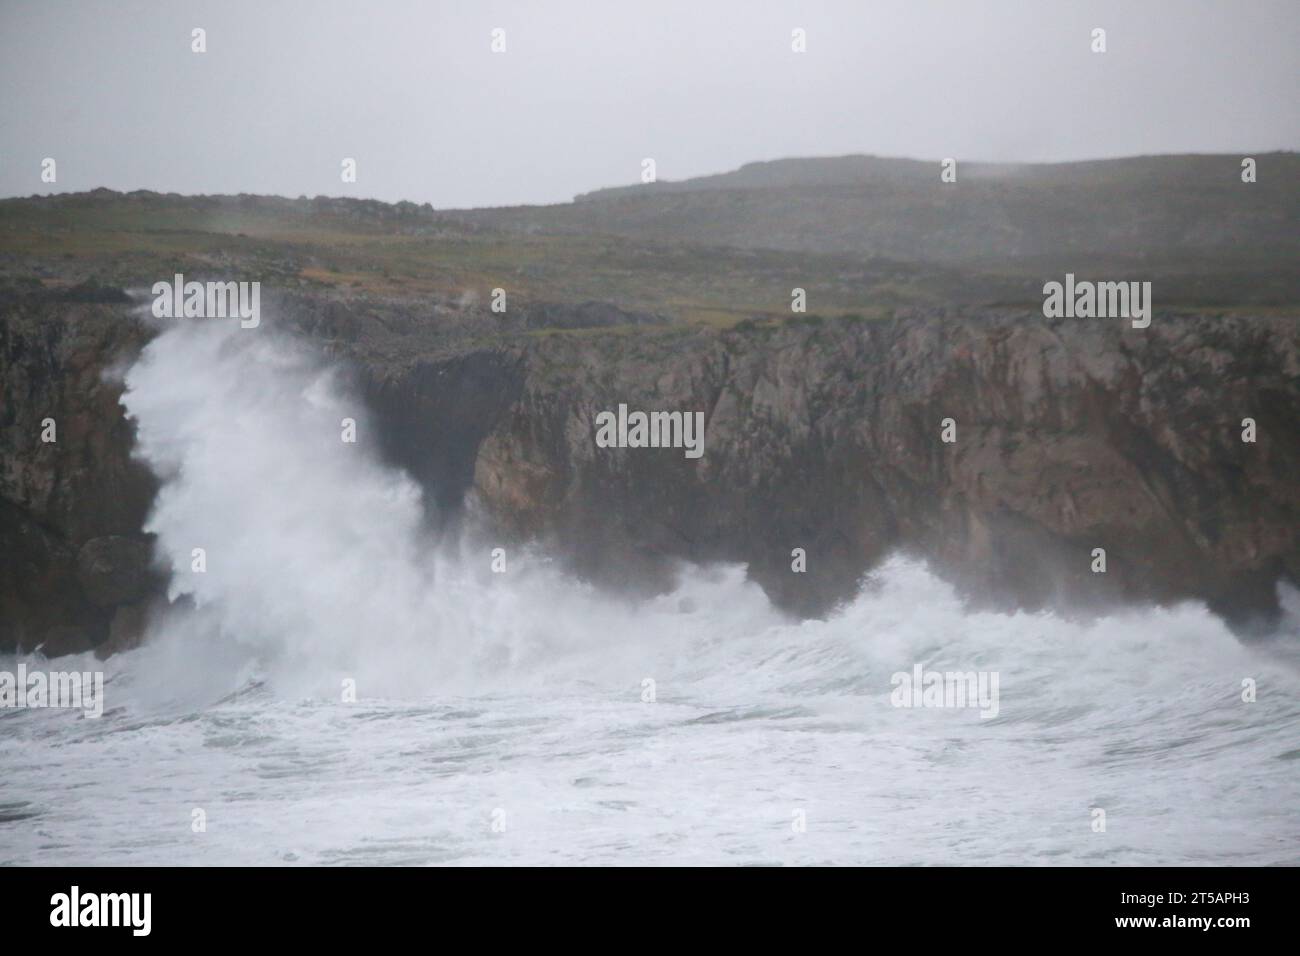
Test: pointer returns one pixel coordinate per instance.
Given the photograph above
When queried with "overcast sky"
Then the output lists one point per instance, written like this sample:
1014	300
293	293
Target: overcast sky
585	90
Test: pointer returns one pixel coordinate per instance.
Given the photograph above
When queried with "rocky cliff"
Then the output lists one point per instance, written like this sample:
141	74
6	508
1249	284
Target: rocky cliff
75	569
821	435
1069	435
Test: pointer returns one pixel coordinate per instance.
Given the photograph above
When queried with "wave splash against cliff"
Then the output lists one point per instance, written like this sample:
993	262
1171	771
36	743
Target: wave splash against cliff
701	722
307	557
314	564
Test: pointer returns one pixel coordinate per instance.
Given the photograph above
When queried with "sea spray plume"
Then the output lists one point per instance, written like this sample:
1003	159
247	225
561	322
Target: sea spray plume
310	548
317	567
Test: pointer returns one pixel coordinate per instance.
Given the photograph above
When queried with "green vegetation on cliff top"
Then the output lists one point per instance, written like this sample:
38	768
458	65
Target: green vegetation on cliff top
861	235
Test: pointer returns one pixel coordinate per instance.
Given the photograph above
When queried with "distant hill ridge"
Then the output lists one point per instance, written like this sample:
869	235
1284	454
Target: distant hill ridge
1187	222
1148	209
859	169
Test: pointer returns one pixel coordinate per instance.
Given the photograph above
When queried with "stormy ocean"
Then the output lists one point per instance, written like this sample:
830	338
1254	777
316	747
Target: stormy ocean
338	685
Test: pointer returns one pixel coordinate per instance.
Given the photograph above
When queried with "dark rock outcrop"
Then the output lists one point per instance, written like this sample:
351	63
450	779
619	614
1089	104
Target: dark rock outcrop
71	509
114	570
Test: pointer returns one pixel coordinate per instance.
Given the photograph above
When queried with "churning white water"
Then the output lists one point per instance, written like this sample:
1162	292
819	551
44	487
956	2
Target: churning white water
505	718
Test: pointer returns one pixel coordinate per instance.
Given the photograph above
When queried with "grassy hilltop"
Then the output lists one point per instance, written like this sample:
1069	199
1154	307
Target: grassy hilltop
862	235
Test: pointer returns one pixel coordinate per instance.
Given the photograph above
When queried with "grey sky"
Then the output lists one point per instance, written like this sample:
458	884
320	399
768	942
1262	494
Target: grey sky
585	90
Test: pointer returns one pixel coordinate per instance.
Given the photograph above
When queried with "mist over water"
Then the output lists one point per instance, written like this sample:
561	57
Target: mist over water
518	697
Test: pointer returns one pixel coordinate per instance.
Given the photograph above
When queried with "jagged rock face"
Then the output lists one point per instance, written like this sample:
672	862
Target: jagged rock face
1070	435
71	510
